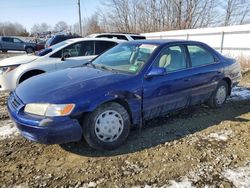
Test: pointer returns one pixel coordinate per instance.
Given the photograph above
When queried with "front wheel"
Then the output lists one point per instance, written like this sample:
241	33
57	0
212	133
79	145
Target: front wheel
219	96
107	127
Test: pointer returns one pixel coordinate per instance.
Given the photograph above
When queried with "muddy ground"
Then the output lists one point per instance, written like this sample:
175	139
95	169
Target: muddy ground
197	147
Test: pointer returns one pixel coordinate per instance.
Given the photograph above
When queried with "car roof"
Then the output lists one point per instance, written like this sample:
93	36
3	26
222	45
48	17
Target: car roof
163	41
95	39
130	34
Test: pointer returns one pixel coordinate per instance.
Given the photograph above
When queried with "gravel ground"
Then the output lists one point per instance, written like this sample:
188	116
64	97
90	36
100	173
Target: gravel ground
197	147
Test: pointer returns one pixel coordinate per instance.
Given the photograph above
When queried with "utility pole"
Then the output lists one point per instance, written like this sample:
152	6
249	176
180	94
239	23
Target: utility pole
80	17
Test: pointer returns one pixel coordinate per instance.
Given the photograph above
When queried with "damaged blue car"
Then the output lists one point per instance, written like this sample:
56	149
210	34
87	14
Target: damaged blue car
125	86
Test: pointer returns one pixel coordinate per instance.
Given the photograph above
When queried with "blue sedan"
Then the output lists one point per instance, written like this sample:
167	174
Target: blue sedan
125	86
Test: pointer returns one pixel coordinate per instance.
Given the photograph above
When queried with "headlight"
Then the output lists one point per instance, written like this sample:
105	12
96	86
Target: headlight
49	110
7	68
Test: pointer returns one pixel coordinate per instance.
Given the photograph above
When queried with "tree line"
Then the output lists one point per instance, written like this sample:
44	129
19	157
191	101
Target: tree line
159	15
142	16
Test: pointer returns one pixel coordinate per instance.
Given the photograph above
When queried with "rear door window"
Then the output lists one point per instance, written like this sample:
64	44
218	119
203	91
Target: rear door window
199	56
87	48
102	46
7	39
105	36
121	37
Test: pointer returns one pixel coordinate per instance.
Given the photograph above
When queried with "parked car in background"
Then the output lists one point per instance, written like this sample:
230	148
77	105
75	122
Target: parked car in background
16	44
125	86
40	45
59	38
66	54
120	36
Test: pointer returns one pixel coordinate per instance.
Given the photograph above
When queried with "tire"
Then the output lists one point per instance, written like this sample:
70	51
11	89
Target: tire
4	51
29	50
219	96
109	134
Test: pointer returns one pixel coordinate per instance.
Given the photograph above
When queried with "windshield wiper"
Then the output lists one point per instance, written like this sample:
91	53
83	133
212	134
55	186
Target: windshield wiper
90	63
108	68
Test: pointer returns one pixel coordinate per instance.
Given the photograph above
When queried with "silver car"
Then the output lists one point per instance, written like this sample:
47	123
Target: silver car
16	44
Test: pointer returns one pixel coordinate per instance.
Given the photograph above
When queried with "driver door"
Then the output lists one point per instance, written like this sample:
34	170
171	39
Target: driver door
171	91
18	44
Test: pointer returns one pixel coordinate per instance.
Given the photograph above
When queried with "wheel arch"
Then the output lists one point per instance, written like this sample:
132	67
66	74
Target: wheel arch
229	82
29	74
120	101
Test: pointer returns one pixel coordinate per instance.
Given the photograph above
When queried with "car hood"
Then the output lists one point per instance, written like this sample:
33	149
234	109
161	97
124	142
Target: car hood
62	86
22	59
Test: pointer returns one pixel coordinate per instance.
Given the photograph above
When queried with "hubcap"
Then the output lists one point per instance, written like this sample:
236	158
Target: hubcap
221	95
109	126
29	50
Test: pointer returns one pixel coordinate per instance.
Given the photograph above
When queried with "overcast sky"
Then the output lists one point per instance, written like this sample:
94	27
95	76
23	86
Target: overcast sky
30	12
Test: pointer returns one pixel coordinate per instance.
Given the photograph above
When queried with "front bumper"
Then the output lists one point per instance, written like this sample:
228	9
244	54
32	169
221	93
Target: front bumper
44	130
6	83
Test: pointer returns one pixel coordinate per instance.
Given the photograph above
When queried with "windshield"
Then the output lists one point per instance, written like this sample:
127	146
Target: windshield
50	49
129	58
48	42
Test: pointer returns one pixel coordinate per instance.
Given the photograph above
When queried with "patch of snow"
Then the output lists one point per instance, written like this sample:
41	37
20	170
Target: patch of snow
240	177
240	93
223	135
7	129
184	183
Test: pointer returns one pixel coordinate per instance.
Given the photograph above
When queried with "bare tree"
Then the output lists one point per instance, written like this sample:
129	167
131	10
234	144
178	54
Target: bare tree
156	15
14	29
40	28
92	26
235	11
61	26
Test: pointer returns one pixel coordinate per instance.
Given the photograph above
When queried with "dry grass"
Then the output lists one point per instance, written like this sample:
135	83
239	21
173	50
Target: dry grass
244	61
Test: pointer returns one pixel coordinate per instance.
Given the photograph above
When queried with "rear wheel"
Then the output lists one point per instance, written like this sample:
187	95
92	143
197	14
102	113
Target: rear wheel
29	50
219	96
107	127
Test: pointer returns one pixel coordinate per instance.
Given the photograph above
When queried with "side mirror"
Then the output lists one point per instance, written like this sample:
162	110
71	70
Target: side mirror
156	71
65	56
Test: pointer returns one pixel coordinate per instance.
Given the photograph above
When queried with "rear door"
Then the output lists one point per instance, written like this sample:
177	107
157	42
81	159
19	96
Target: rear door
206	72
7	43
162	94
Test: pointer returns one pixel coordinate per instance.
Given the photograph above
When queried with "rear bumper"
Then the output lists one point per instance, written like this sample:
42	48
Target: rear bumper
45	130
236	80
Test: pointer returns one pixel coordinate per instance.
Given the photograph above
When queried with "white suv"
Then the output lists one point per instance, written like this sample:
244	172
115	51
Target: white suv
66	54
120	36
